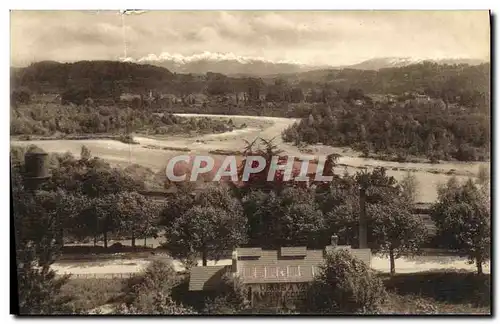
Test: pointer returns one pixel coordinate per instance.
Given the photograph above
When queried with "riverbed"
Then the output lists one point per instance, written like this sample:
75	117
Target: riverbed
155	152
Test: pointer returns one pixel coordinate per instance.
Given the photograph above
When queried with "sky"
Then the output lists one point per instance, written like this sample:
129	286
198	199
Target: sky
307	37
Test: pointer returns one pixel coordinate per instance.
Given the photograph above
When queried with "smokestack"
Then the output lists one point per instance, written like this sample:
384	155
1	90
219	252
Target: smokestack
363	239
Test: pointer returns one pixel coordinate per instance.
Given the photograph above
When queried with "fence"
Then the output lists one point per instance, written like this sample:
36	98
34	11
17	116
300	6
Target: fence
123	275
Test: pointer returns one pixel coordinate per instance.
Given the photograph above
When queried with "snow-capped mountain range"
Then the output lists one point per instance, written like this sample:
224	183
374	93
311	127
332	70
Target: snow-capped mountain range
231	64
388	62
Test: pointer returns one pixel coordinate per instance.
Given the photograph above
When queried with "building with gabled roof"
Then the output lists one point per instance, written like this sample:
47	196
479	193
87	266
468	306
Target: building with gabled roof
266	274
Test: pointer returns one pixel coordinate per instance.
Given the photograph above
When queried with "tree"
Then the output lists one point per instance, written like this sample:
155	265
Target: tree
395	230
268	150
289	217
137	214
100	217
212	224
463	220
345	285
409	186
36	233
97	182
340	205
39	290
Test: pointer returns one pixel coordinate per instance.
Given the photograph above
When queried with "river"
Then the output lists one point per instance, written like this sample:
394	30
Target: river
154	153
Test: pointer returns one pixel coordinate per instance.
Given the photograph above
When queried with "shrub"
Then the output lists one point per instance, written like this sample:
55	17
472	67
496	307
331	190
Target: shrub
158	276
229	297
345	285
151	292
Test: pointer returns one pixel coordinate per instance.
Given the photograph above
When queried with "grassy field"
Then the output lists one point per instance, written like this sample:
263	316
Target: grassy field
91	293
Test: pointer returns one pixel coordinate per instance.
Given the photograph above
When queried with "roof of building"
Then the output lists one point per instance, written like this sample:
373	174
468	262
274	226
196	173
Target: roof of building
206	278
288	264
293	251
249	252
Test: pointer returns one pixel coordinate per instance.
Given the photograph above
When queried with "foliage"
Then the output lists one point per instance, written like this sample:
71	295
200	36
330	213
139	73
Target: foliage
156	303
210	223
409	187
396	231
53	119
36	236
463	219
89	294
150	292
267	150
288	217
413	128
158	276
447	286
20	96
230	297
138	215
345	285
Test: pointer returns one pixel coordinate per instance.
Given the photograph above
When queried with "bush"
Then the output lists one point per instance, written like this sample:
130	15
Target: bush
151	292
158	276
345	285
230	297
20	96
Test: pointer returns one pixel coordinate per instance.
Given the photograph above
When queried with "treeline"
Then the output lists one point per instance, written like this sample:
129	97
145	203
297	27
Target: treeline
50	118
460	84
399	130
447	81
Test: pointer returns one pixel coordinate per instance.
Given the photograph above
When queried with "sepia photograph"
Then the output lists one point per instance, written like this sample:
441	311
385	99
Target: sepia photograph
285	162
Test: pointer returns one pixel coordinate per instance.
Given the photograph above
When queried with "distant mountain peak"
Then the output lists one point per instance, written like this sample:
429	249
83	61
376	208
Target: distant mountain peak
232	64
225	63
208	56
388	62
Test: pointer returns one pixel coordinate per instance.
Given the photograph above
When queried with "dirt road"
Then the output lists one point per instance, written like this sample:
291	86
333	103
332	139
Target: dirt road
403	265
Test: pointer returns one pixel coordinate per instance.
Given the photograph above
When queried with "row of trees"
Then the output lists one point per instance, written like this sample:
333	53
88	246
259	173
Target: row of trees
267	214
86	197
415	128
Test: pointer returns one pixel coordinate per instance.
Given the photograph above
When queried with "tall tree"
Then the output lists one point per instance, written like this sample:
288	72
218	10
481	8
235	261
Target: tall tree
214	223
36	233
289	217
395	230
463	219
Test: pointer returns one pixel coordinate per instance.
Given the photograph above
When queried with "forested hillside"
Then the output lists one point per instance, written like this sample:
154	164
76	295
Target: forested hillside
110	79
426	110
